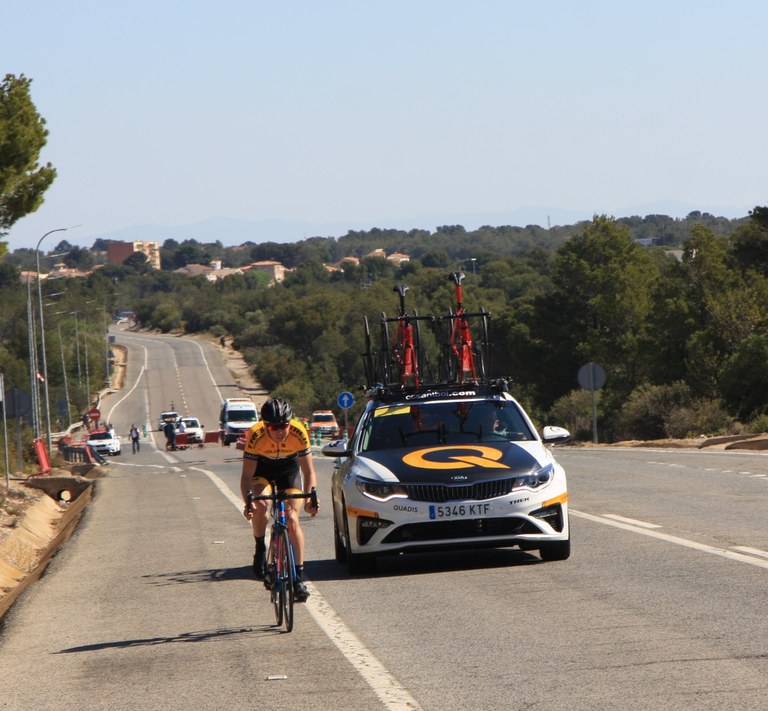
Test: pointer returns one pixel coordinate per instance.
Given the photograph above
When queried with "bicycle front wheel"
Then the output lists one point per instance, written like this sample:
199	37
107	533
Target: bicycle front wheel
274	588
285	579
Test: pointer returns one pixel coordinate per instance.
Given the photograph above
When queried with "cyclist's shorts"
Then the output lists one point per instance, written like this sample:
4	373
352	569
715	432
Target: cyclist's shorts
285	481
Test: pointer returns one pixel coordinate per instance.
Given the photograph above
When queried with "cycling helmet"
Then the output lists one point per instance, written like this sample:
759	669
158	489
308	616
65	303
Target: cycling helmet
276	412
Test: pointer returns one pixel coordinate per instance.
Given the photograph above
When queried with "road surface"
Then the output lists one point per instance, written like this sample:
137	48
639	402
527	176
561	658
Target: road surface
152	604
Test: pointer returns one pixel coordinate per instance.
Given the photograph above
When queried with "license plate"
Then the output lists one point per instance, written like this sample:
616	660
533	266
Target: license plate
458	510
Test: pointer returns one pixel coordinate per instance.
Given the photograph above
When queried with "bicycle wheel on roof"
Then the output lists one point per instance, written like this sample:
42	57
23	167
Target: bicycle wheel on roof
386	353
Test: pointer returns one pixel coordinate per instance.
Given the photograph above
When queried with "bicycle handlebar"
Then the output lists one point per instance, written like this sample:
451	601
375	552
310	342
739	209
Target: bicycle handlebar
276	496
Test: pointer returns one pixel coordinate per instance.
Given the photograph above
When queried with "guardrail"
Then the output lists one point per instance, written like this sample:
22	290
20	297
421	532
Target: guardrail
79	453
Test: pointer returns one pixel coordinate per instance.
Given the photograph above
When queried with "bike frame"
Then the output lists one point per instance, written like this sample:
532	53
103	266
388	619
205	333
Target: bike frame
461	338
280	555
405	348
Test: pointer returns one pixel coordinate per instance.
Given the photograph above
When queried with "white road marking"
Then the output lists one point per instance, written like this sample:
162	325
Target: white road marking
150	431
200	347
703	547
389	690
751	551
632	521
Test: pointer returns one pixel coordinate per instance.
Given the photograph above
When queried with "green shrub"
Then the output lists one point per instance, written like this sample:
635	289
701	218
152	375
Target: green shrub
702	417
574	412
645	412
758	425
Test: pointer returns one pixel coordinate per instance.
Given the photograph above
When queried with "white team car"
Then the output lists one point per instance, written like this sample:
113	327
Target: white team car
450	466
193	429
105	442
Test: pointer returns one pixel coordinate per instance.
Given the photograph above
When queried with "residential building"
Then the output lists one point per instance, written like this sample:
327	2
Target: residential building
275	269
118	252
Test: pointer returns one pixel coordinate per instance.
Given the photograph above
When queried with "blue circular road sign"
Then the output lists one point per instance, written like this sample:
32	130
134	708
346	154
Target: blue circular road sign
345	400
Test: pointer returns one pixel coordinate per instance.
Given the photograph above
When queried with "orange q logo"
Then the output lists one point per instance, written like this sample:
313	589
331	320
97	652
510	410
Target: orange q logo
455	458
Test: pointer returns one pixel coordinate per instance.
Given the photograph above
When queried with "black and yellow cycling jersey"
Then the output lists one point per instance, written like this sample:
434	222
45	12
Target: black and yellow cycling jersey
273	458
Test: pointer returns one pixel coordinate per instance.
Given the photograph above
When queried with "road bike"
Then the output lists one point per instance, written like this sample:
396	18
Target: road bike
465	360
401	360
280	564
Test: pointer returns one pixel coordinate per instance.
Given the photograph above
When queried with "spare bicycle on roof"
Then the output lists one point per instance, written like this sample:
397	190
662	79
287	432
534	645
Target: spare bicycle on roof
402	362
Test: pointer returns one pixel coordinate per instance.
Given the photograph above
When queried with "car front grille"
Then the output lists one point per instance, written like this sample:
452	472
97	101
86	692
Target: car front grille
441	493
462	528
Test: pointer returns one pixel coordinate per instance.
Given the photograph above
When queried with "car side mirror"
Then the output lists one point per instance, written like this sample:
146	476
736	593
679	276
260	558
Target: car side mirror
552	435
337	448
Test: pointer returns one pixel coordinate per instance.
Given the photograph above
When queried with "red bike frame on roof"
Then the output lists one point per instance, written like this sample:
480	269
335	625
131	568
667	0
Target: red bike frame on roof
404	347
466	361
461	338
402	362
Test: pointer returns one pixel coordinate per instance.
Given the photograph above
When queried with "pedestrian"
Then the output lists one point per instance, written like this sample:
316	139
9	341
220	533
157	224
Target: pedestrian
135	441
170	435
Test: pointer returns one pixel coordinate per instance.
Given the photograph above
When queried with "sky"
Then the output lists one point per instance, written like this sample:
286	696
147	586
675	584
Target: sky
328	115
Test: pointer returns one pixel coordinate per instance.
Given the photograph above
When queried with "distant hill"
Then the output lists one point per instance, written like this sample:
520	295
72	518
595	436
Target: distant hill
232	231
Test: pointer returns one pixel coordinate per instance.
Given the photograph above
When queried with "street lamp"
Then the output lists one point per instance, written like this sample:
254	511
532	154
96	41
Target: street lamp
64	369
32	345
85	344
42	335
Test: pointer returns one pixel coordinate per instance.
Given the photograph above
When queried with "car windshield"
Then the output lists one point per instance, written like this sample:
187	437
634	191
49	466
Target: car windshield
100	435
441	423
241	416
323	418
190	422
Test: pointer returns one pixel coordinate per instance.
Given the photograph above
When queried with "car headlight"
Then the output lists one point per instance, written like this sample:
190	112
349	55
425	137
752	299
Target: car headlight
380	490
535	479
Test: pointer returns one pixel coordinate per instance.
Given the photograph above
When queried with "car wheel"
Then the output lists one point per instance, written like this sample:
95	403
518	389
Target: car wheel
356	562
558	550
338	544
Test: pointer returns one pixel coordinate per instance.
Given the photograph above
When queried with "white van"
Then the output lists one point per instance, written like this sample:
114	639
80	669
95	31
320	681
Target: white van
238	415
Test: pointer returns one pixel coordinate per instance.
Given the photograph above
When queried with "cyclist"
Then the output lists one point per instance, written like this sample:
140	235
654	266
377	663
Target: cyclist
277	449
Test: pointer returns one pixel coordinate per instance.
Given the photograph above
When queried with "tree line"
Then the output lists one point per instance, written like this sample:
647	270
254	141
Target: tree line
681	334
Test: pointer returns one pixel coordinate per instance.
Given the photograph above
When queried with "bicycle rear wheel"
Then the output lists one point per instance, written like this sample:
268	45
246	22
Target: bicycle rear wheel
386	352
285	576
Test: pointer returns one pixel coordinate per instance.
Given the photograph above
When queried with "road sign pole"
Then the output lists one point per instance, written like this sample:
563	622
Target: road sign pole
592	377
5	433
594	402
345	400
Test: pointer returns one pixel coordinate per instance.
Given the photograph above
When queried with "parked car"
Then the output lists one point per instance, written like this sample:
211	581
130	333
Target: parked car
324	423
170	416
105	442
193	429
